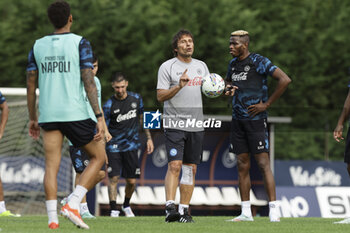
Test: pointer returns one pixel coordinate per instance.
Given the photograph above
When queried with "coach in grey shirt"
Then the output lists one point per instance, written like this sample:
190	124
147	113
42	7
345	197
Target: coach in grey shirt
179	87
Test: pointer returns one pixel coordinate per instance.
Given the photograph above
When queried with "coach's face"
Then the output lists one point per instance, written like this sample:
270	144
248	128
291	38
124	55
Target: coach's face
120	89
237	47
185	46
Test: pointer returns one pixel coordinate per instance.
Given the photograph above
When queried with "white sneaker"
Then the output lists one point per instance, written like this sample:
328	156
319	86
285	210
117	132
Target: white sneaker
274	218
115	213
344	221
128	212
241	218
274	215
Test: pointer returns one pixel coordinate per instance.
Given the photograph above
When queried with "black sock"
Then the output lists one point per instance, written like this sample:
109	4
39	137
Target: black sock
113	205
126	202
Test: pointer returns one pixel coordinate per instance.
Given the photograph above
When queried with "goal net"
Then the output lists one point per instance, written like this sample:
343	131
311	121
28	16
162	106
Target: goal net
22	162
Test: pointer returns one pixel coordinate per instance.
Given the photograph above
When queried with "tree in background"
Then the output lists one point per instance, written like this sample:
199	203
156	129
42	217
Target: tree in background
307	39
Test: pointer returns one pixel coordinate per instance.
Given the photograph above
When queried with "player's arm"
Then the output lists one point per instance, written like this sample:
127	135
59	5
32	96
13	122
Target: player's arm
338	131
32	78
150	146
90	88
4	117
283	82
166	94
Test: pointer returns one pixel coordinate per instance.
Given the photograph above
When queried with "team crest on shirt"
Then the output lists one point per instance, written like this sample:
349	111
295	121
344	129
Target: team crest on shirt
246	68
199	71
86	162
134	105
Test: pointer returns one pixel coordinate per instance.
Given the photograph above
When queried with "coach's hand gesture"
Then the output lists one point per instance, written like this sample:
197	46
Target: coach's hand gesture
184	79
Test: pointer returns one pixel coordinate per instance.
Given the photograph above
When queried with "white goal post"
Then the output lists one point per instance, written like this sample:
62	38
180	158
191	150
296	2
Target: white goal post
22	163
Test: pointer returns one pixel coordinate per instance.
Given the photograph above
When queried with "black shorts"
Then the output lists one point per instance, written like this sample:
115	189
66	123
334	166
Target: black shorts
80	159
249	136
183	145
347	148
79	133
127	162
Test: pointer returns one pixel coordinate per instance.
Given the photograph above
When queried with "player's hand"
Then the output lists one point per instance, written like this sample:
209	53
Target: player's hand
230	90
184	79
34	129
100	130
338	133
150	146
108	136
256	108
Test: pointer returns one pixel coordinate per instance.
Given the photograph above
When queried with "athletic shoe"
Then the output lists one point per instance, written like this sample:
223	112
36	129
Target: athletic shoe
53	225
274	218
8	213
74	216
344	221
87	215
128	212
186	217
64	201
115	213
241	218
171	214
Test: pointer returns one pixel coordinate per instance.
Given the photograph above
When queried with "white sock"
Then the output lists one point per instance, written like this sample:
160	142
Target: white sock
182	207
84	207
273	207
2	206
246	211
69	197
51	208
76	197
169	202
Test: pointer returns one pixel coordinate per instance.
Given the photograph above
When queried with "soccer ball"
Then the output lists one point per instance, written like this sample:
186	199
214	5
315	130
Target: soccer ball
213	85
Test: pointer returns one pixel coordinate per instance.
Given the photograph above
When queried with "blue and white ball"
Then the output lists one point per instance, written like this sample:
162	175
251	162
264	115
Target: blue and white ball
213	85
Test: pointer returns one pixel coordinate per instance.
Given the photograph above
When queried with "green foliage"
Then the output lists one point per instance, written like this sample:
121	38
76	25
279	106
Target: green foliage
306	39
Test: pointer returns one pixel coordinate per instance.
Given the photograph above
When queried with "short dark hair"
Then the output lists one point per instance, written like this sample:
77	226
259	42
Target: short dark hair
94	57
177	37
58	13
118	77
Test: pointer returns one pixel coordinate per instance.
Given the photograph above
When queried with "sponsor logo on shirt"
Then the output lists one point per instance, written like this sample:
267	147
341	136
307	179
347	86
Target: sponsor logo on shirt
131	114
239	77
196	81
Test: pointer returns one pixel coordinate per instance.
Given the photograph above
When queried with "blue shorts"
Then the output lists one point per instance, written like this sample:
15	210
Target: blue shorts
80	159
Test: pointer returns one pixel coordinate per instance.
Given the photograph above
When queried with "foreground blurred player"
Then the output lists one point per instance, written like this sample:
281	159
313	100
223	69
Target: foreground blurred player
338	136
179	87
79	158
123	112
62	65
247	73
4	116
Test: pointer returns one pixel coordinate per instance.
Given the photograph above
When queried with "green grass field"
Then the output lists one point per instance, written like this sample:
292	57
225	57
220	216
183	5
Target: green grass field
38	224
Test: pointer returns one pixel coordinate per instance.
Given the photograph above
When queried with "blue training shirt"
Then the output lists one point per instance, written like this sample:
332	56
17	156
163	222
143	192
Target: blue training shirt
123	119
250	76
